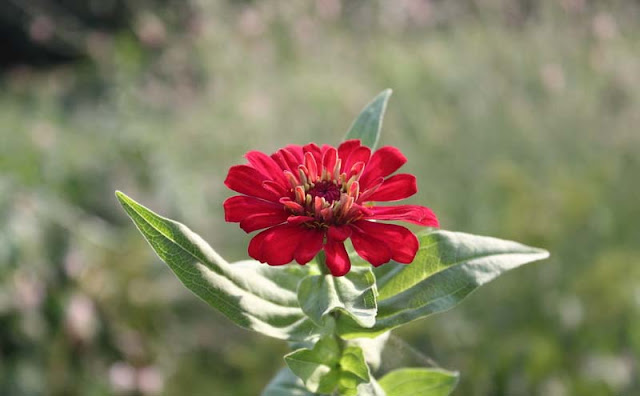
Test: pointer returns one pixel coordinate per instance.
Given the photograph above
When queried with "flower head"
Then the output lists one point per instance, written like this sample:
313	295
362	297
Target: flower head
311	198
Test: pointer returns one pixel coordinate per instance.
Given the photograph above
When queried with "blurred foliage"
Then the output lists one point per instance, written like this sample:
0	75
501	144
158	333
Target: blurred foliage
520	120
42	33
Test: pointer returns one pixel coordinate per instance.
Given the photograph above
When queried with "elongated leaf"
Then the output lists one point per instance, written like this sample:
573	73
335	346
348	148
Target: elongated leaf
318	367
372	348
285	383
368	124
253	296
352	361
419	382
371	388
353	294
317	377
326	366
355	377
448	267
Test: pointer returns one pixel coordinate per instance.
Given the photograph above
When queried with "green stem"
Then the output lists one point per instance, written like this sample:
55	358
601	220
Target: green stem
321	259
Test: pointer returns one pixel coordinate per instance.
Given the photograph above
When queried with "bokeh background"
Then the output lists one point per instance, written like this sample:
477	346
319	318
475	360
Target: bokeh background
519	118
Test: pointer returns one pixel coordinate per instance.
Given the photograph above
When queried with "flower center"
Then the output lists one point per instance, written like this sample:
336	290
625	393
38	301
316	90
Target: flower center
325	189
322	194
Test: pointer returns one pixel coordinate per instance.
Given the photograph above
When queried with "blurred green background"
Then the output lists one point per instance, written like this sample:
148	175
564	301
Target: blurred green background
519	118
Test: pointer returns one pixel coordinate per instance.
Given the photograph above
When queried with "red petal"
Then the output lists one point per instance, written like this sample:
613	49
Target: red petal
239	207
373	187
296	151
256	244
315	151
338	233
337	258
411	213
396	187
309	246
312	166
402	242
289	158
299	219
276	245
246	180
329	159
293	207
383	162
267	166
275	188
258	221
345	149
278	157
369	247
360	154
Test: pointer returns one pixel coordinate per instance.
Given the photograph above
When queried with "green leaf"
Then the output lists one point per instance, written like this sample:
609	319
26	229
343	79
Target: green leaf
419	382
318	367
325	366
372	348
371	388
369	122
353	294
285	383
352	361
447	268
252	295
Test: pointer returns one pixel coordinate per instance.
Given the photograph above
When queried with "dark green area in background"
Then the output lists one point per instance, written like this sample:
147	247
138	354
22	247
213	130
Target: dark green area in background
519	119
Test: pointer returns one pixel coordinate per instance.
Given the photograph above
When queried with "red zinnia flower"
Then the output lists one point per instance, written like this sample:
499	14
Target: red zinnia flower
311	198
